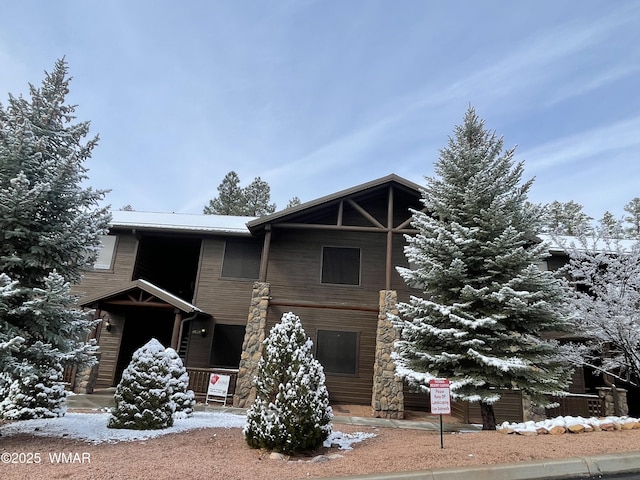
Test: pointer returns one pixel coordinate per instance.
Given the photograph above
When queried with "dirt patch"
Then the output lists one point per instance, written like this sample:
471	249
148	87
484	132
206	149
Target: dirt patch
367	412
222	453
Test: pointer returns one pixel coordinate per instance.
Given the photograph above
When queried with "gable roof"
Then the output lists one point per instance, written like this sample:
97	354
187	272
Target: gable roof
245	226
369	188
130	293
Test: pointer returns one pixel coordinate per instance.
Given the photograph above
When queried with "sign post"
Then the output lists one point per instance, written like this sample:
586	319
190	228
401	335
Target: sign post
440	397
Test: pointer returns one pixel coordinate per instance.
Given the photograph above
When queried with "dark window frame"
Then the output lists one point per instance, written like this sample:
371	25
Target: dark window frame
324	266
238	271
354	372
216	337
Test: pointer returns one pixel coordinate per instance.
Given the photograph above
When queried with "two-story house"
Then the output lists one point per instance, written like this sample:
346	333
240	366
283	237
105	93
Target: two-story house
212	286
194	282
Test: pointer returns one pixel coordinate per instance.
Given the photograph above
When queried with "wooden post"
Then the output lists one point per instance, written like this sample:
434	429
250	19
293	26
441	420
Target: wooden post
389	262
176	330
264	261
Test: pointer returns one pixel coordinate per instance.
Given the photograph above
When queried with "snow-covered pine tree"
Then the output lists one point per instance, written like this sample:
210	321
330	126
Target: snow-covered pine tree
291	413
143	396
566	218
632	220
605	306
36	390
485	303
184	398
50	226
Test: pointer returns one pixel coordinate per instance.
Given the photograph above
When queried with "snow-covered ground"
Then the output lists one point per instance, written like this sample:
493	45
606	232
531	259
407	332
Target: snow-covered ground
92	428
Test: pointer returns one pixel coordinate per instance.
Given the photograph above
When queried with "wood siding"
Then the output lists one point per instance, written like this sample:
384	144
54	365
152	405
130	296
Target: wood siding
109	349
226	299
507	409
295	267
294	274
342	388
96	281
199	349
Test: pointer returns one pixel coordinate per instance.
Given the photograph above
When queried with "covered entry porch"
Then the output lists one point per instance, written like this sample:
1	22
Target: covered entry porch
133	314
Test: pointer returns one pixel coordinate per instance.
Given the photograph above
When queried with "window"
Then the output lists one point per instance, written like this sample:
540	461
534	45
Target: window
242	259
226	347
341	265
104	261
337	351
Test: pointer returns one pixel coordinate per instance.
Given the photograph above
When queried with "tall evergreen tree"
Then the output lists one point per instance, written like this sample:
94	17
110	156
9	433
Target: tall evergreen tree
485	303
633	218
294	202
256	198
291	413
610	225
230	199
50	227
252	201
566	218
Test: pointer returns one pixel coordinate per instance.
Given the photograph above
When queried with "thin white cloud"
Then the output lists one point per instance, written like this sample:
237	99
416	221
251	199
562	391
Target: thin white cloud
583	85
603	141
535	62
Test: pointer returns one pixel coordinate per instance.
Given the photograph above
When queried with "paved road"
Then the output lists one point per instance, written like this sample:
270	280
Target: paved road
618	476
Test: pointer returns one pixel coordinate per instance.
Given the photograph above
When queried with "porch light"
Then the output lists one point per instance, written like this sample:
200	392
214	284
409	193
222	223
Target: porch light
203	332
107	325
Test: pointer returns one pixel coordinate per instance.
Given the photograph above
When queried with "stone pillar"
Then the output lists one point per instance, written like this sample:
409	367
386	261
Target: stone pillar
86	377
387	399
609	397
254	335
531	412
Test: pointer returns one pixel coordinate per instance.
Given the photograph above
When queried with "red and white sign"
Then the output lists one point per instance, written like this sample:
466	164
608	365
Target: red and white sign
218	387
440	396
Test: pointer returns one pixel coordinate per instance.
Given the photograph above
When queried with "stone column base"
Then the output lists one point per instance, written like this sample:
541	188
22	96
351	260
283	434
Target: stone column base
245	392
387	398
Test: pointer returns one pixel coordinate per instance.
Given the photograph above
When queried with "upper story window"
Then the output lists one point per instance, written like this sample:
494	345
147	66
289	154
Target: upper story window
104	261
341	265
242	258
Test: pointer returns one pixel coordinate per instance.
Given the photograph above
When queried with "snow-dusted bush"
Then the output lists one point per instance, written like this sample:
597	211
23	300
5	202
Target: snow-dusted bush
143	396
37	392
291	412
184	398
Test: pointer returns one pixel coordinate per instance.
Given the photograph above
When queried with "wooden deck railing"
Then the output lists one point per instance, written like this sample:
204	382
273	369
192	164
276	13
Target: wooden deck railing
69	376
583	405
199	380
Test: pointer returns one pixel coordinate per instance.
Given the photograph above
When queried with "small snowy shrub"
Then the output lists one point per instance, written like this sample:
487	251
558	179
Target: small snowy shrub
143	396
37	392
184	398
291	413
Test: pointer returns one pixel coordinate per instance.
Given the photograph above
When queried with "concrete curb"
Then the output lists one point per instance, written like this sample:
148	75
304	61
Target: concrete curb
538	470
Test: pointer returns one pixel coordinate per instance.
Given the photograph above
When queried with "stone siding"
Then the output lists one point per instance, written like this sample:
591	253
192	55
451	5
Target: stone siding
387	398
609	397
254	336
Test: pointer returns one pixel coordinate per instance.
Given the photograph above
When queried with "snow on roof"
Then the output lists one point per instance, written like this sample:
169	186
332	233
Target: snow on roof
560	243
169	297
181	221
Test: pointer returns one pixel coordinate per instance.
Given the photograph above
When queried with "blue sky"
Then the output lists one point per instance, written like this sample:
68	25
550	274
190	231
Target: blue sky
318	96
